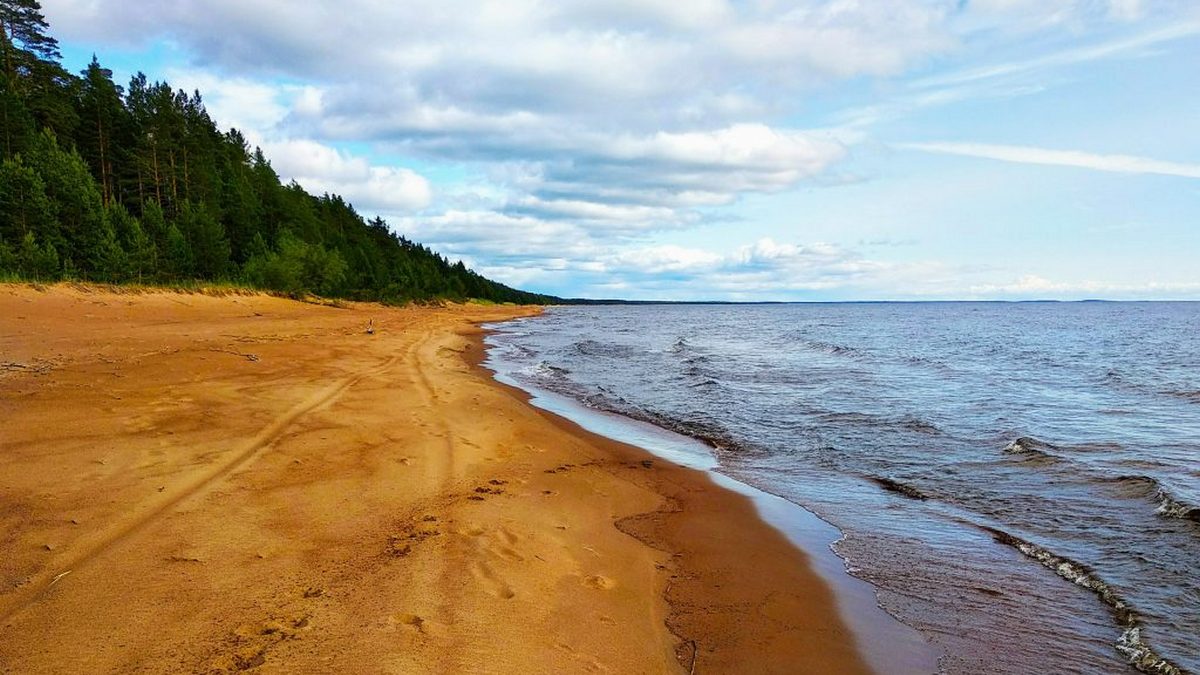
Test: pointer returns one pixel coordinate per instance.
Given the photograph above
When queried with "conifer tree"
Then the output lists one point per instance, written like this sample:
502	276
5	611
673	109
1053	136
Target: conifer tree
101	115
24	206
106	183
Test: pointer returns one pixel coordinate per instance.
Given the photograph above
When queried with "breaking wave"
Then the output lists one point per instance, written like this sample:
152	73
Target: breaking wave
1130	644
1033	449
1167	504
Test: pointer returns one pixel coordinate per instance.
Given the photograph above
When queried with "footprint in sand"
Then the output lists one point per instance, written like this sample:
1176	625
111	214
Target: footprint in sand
491	583
599	582
508	536
402	543
411	621
506	553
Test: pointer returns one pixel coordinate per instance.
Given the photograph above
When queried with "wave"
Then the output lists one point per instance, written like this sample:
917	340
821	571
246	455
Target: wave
713	435
546	369
597	348
1171	507
1130	644
851	418
1190	395
1035	449
919	425
1117	380
1168	505
892	485
832	348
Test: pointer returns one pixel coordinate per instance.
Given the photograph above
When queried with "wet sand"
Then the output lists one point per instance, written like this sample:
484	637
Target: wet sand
212	484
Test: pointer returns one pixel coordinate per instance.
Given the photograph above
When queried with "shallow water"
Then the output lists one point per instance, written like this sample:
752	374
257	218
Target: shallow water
1018	481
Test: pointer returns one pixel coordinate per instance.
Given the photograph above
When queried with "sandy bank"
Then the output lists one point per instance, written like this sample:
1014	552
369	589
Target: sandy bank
197	484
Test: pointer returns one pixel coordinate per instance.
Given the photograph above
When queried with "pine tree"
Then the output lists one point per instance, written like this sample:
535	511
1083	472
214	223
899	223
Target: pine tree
206	238
24	206
178	254
84	236
38	262
101	114
140	253
15	118
104	183
24	45
24	36
30	65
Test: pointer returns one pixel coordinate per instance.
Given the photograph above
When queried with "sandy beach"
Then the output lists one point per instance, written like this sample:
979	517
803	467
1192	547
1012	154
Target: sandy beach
192	483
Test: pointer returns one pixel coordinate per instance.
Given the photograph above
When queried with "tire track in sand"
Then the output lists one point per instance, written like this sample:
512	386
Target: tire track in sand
461	650
30	593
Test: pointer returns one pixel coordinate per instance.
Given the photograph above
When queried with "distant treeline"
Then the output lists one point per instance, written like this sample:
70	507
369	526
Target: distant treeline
137	184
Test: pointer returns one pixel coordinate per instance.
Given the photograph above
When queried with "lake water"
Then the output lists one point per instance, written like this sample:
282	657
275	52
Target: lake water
1018	482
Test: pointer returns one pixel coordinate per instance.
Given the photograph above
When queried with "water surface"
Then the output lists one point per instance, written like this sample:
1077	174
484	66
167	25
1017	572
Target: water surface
1019	482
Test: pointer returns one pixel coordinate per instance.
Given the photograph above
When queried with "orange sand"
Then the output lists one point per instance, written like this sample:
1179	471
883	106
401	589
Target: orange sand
210	484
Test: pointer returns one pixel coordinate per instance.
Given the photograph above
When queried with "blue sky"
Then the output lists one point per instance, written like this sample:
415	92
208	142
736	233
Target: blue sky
756	150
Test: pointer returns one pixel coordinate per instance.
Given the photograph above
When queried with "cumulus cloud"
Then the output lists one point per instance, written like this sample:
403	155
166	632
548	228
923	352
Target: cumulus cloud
256	108
320	168
591	125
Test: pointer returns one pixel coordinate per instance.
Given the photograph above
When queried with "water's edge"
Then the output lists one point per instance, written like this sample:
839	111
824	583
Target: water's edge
886	644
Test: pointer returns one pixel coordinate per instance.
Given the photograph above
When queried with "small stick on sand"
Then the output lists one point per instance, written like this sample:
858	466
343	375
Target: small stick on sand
59	576
692	670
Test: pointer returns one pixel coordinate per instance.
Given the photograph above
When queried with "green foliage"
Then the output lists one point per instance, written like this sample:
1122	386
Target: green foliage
297	268
138	184
140	253
8	260
178	254
24	206
82	233
154	222
36	261
206	238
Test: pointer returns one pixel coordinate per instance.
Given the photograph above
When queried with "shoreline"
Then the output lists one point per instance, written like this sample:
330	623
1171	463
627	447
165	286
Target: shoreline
225	484
884	642
793	623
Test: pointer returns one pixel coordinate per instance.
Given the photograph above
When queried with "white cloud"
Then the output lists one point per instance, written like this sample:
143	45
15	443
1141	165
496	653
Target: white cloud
1034	286
1126	10
1084	160
1067	57
590	125
237	102
320	168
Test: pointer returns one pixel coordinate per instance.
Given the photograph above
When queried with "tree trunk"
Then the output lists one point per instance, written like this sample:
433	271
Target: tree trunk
157	181
174	179
104	192
8	60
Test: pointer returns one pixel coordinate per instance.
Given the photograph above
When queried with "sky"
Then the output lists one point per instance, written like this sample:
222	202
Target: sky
716	149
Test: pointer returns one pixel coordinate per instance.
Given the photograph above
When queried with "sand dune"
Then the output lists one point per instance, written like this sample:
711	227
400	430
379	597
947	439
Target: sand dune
212	484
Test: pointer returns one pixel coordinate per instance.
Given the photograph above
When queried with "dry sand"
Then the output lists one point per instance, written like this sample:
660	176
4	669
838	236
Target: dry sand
210	484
